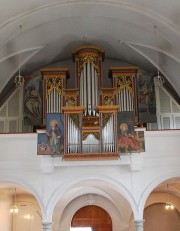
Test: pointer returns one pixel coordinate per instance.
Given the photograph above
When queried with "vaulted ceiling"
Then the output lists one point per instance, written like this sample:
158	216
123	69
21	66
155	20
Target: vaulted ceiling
36	33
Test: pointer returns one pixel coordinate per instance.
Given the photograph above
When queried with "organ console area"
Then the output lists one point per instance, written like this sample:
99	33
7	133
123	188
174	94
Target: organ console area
88	115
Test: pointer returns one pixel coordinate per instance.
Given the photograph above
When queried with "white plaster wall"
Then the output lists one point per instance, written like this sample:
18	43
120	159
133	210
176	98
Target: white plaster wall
52	180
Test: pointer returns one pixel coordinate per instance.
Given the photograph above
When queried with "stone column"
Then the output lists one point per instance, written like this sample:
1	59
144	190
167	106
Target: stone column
139	225
47	226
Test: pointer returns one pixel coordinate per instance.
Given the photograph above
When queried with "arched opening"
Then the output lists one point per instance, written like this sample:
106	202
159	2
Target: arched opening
157	216
157	213
96	192
27	212
92	216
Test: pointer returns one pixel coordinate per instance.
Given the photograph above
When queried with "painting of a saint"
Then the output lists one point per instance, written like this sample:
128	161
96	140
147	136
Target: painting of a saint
52	142
129	140
55	137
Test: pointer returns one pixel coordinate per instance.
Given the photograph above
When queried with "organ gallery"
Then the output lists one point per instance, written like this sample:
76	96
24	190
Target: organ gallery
90	121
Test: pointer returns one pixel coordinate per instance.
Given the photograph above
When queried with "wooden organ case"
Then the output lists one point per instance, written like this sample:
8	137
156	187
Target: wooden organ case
89	110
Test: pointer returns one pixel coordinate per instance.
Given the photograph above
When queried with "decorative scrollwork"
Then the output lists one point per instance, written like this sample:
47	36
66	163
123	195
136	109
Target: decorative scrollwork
95	134
93	58
72	101
125	82
107	99
75	119
54	83
105	118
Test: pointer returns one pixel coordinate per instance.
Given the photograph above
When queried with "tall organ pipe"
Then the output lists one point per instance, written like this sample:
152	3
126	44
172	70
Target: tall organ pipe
89	88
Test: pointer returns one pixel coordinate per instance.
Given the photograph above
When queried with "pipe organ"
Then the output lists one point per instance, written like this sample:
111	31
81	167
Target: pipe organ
89	110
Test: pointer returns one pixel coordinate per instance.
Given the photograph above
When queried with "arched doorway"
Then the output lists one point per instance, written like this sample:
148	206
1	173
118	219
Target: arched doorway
156	214
27	215
92	216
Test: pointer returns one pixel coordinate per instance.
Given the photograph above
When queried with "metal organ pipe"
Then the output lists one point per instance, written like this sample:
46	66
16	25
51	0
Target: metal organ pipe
81	88
126	100
96	87
84	90
93	89
89	88
53	102
108	136
91	144
73	137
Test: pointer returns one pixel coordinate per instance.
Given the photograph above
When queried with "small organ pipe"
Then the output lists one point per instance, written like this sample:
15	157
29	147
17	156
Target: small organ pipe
68	125
89	88
81	89
51	102
93	90
95	87
84	90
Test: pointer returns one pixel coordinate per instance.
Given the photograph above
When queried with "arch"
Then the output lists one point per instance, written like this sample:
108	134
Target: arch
157	216
151	186
161	197
64	219
117	186
28	187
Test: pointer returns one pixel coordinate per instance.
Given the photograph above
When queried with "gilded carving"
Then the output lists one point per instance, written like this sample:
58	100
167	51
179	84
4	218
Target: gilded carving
93	58
107	99
75	119
124	81
95	134
105	118
71	100
54	83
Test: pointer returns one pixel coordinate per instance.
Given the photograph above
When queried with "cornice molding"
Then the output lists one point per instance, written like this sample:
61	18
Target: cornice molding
158	133
18	136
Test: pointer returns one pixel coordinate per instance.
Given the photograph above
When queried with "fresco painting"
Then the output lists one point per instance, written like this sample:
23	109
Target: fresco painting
52	142
129	140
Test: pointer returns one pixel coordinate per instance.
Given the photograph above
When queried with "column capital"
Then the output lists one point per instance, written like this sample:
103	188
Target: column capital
139	225
47	226
139	222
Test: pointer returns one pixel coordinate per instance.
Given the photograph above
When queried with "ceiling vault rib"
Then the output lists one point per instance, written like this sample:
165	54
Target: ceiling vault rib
17	67
20	52
11	36
153	48
145	56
